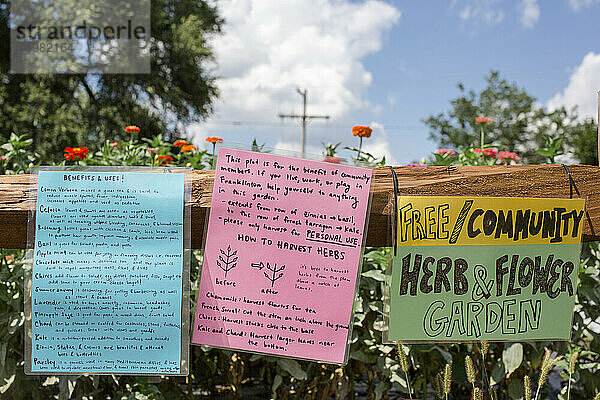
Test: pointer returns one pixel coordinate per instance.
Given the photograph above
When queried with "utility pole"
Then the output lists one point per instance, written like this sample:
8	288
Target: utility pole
304	117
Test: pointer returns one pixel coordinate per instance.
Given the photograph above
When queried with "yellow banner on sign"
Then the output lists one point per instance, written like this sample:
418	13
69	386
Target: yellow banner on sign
445	220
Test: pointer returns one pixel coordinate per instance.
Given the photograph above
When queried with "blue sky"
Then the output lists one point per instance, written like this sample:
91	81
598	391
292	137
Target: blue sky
391	64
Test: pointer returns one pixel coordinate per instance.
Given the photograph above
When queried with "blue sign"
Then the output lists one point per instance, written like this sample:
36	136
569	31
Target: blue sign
107	273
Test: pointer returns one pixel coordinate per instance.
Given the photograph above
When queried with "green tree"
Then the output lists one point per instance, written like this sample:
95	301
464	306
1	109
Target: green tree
582	142
78	110
519	124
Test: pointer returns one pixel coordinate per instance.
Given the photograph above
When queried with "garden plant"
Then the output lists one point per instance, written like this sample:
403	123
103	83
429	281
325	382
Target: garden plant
376	370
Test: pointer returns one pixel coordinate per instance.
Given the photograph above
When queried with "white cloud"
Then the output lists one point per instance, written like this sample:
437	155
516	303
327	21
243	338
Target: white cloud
577	5
582	89
529	11
476	11
270	48
378	144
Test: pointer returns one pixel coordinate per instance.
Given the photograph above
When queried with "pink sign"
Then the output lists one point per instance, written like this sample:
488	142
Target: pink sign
282	255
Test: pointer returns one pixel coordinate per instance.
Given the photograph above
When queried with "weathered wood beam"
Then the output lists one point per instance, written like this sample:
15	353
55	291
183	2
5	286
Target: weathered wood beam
511	181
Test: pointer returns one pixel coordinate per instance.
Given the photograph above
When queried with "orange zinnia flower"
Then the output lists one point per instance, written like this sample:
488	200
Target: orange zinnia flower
163	160
213	139
188	148
179	143
132	129
71	153
362	131
483	120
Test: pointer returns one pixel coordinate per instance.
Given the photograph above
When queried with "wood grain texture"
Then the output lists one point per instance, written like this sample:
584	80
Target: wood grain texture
510	181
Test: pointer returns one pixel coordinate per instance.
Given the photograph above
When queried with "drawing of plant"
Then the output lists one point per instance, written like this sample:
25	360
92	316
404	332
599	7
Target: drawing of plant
229	262
275	273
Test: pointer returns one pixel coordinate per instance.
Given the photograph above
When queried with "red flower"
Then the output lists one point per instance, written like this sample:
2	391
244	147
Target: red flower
333	160
115	143
213	139
489	152
163	160
450	152
179	143
508	156
361	131
132	129
71	153
483	120
477	151
188	148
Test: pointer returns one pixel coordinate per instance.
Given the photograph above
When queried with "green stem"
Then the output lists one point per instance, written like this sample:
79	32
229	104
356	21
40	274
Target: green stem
359	147
569	388
425	383
483	373
408	384
482	138
213	153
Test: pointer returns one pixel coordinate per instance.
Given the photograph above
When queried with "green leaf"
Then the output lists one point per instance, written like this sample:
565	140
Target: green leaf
3	356
255	357
498	373
66	386
512	357
447	356
374	274
398	377
16	322
376	306
379	325
276	382
380	389
358	305
6	383
52	380
292	367
516	389
361	356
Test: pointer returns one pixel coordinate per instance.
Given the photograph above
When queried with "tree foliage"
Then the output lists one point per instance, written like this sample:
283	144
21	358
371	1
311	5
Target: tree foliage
519	123
69	110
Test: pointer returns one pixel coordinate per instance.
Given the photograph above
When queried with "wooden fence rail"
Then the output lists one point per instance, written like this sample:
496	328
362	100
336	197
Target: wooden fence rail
511	181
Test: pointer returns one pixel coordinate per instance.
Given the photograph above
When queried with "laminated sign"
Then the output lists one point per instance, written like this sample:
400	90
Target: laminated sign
282	255
484	268
108	279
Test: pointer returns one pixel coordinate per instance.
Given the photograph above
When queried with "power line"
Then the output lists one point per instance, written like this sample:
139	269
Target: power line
304	117
265	123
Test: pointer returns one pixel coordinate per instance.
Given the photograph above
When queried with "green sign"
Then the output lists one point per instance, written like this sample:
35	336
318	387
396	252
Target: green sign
484	268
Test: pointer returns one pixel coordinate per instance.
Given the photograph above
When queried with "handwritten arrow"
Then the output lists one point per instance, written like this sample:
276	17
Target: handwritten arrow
259	265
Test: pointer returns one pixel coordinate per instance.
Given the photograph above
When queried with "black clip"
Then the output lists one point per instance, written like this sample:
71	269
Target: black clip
395	212
571	184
